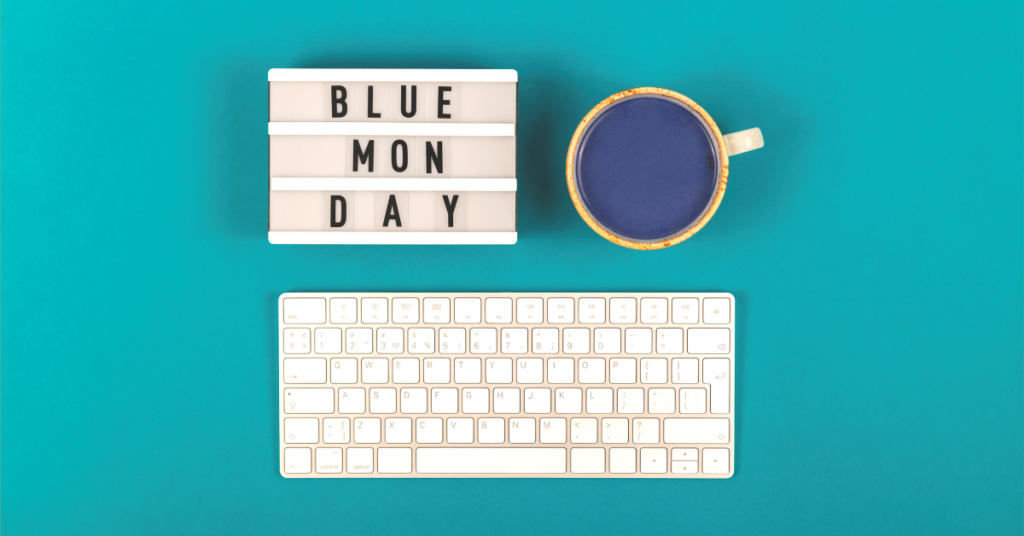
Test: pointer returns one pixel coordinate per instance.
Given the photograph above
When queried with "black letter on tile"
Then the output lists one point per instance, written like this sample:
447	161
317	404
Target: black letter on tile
337	99
394	156
413	112
392	212
335	201
450	207
369	103
436	157
441	102
359	157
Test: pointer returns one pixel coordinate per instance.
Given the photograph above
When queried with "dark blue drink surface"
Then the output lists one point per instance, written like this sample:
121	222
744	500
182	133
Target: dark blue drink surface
646	168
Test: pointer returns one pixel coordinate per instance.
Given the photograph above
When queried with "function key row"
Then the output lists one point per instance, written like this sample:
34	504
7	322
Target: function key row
503	310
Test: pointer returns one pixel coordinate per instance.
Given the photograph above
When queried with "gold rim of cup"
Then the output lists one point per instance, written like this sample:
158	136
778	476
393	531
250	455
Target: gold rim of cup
723	170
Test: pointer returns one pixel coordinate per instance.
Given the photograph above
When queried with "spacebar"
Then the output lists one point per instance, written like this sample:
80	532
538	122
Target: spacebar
500	460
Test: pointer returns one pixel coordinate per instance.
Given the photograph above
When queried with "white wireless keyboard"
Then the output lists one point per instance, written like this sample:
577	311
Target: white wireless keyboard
507	385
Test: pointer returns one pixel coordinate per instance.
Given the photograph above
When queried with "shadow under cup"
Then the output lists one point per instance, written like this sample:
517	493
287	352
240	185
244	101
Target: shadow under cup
647	168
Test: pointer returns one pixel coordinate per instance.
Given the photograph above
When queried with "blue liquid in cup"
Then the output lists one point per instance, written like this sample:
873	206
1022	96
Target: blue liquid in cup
647	168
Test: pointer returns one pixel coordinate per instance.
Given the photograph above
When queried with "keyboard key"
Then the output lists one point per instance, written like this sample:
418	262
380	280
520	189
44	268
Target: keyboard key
305	370
654	370
475	400
684	455
530	310
552	430
436	310
444	400
359	340
623	370
375	310
305	311
716	374
622	461
398	430
498	370
460	430
343	311
631	400
615	431
587	460
591	310
646	431
437	370
568	400
296	341
591	369
498	310
367	430
394	460
545	340
623	310
375	370
297	460
576	341
638	340
467	370
328	460
661	401
583	430
522	430
684	310
653	460
327	340
693	401
383	400
716	461
513	341
684	370
414	400
352	400
390	341
490	430
684	468
309	400
607	340
453	340
483	340
653	310
600	400
560	311
505	460
405	310
716	311
683	430
302	430
360	460
506	400
429	430
561	370
537	400
421	340
670	340
529	370
337	430
707	341
467	310
405	370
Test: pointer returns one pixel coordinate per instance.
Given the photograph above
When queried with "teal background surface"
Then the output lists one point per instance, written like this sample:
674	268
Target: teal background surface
874	247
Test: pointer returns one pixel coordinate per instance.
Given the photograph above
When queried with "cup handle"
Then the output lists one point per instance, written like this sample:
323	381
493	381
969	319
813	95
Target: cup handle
743	141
